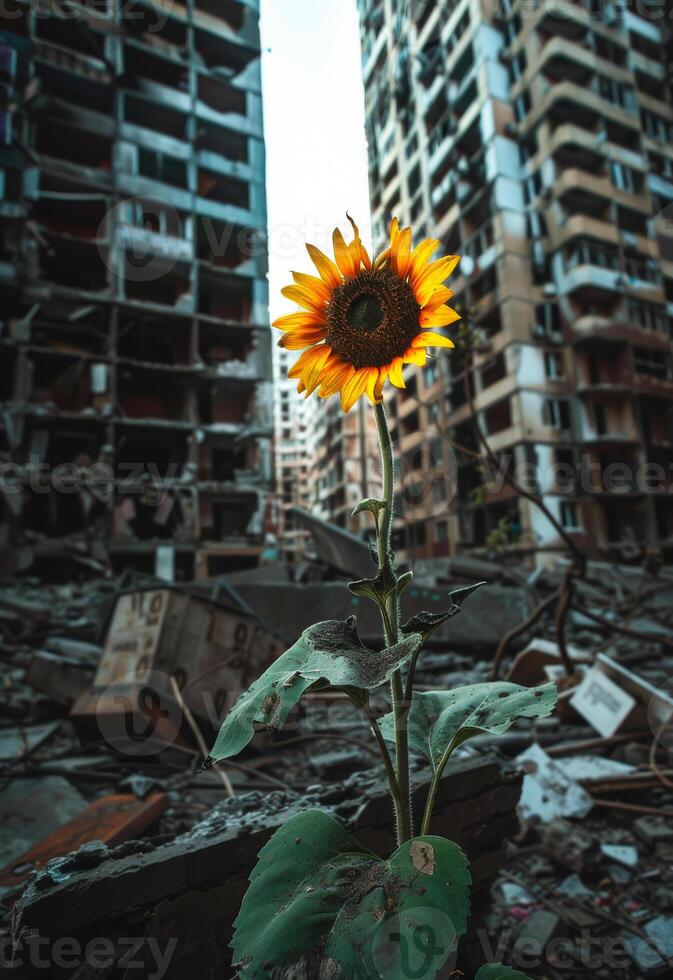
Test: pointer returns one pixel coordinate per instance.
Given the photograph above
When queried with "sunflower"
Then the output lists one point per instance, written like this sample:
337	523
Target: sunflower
362	321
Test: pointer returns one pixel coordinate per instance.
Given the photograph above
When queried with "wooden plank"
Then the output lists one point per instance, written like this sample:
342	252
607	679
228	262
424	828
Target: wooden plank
110	819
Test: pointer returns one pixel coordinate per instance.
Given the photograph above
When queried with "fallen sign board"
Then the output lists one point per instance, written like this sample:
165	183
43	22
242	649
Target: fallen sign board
602	703
212	649
658	701
110	820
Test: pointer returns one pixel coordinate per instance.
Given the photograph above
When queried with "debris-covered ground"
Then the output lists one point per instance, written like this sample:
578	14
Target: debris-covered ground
120	858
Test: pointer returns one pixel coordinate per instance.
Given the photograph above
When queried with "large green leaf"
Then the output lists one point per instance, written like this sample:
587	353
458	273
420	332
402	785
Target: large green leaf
441	720
317	892
328	653
496	971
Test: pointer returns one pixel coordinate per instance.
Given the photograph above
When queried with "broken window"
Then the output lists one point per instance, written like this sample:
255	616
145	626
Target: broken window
158	340
225	190
150	450
570	519
66	141
72	262
498	417
145	394
556	413
225	298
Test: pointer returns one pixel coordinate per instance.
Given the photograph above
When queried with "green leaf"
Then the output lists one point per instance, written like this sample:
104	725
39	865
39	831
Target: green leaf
371	504
328	653
496	971
316	891
378	588
427	622
441	720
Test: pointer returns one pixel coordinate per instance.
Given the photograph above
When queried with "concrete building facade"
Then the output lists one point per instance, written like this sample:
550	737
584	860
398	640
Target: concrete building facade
536	140
135	351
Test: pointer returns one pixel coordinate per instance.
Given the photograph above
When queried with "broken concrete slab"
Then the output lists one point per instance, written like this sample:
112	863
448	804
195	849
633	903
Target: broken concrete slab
108	820
476	806
32	808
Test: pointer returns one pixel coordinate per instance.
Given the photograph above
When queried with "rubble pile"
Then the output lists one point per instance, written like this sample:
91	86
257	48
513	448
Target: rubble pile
113	691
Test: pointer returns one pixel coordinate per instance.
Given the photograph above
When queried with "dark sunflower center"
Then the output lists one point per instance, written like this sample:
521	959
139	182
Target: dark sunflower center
372	319
365	313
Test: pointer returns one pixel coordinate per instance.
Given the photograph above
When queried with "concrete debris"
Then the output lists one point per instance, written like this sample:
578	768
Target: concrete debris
108	820
30	809
547	792
567	826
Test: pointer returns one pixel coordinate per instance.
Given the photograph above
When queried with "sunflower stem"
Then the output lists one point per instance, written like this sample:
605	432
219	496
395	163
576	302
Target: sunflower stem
391	626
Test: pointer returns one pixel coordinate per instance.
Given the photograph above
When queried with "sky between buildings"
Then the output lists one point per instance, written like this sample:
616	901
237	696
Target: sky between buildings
314	127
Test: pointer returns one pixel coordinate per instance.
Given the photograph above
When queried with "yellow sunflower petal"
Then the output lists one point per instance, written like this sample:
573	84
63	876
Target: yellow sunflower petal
296	339
420	257
415	355
314	285
306	359
343	256
434	275
439	297
293	320
336	379
441	317
378	387
354	388
395	372
382	258
400	252
394	231
303	298
430	339
301	387
312	374
329	272
358	251
375	381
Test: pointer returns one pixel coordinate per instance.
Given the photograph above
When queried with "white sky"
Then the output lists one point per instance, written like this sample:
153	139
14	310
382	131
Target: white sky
314	127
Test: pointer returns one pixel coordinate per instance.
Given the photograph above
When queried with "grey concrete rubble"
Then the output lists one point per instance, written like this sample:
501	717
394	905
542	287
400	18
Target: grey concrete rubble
547	875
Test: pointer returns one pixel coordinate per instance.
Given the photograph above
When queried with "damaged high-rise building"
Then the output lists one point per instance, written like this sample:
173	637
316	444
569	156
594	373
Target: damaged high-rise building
135	365
536	140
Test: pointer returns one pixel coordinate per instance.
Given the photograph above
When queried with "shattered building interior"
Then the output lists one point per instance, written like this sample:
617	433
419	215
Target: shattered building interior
135	343
538	144
173	518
